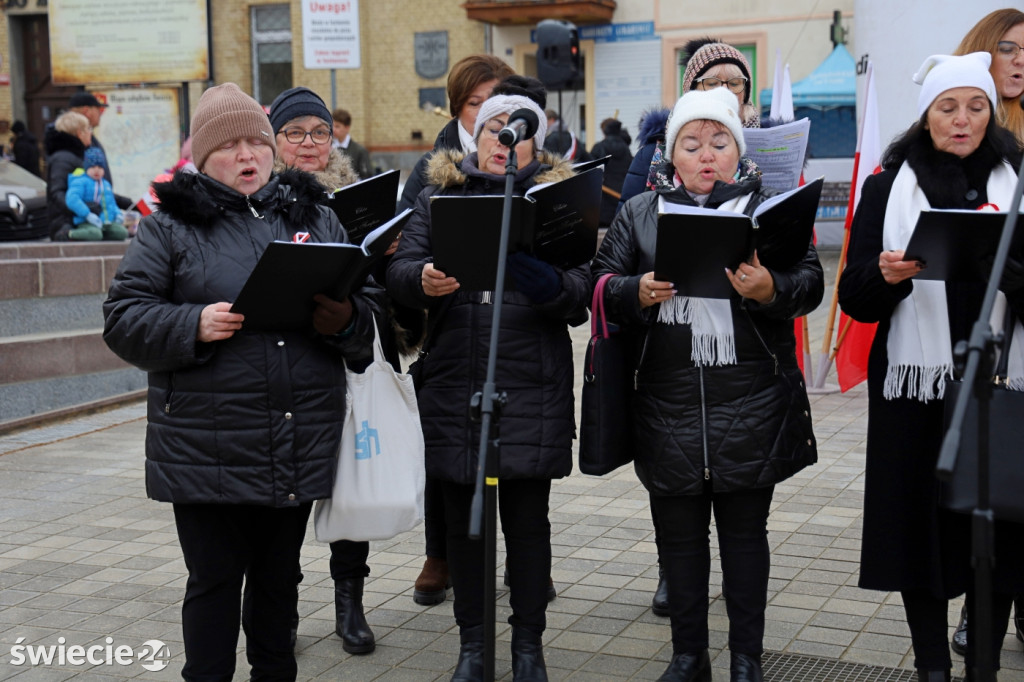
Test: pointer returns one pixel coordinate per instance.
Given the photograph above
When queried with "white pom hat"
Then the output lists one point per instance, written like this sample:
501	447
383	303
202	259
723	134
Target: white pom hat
942	72
717	104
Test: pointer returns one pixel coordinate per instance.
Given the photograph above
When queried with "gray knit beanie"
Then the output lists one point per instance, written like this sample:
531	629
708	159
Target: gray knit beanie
225	113
294	103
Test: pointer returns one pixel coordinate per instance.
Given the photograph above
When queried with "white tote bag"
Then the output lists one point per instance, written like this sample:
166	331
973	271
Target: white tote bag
378	488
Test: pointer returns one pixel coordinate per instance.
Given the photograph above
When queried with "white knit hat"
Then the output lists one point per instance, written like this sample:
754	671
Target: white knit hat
942	72
506	104
717	104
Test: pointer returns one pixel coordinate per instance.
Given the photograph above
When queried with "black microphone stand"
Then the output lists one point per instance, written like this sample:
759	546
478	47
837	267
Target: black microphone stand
980	352
486	405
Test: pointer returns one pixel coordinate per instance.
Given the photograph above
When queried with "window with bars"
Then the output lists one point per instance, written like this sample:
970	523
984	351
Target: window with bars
271	51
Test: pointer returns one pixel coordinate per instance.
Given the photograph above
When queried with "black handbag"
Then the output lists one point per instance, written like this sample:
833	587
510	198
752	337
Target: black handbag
1006	449
605	439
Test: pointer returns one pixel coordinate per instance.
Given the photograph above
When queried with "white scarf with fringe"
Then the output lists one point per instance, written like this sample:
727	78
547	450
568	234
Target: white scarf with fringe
710	319
919	347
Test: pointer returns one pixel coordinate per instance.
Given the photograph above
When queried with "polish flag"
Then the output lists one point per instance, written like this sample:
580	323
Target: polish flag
854	341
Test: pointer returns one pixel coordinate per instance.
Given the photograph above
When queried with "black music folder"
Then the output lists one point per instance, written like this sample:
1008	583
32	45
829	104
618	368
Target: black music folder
279	292
556	222
695	245
584	166
366	205
958	245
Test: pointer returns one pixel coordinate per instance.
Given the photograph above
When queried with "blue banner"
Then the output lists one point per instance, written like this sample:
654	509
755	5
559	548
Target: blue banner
613	33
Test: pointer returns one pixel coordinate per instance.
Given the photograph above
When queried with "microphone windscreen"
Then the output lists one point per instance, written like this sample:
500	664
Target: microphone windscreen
530	117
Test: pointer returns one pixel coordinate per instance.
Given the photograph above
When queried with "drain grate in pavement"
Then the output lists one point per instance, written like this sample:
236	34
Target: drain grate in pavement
797	668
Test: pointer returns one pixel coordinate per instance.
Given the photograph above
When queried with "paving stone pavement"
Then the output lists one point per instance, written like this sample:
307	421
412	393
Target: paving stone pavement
86	557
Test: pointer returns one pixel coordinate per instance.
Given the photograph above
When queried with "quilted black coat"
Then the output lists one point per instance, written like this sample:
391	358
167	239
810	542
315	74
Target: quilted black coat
256	418
535	361
64	153
740	426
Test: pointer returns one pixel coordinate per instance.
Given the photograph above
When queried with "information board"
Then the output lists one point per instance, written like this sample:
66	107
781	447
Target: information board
140	134
126	41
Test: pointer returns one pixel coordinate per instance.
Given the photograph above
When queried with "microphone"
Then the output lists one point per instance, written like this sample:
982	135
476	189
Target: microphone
522	125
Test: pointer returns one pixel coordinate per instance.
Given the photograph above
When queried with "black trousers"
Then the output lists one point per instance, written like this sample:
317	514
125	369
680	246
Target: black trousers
222	545
929	628
435	530
684	524
348	559
523	511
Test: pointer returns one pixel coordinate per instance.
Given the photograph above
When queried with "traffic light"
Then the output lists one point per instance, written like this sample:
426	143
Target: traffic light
558	53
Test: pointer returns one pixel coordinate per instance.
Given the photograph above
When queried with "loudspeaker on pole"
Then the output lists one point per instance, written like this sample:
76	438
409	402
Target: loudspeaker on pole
558	53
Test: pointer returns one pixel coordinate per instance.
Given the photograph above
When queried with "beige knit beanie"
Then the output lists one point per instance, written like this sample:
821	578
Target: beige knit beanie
225	113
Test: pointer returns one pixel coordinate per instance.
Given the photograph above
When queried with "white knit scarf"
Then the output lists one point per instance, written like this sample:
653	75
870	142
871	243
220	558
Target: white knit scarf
710	319
918	345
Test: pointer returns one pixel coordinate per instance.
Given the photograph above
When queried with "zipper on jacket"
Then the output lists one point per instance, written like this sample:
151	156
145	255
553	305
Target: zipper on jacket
757	333
704	424
170	394
640	362
252	208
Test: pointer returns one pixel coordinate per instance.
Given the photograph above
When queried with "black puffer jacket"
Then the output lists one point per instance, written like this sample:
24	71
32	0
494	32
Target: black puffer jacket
64	153
535	365
254	419
743	426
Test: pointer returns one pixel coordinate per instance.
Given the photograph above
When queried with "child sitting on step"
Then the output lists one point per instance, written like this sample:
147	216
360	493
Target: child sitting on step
91	198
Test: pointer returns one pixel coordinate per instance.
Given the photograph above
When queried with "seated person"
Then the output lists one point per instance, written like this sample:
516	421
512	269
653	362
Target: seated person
91	199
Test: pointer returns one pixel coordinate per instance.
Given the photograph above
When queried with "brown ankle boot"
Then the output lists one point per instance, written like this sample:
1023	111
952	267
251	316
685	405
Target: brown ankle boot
432	585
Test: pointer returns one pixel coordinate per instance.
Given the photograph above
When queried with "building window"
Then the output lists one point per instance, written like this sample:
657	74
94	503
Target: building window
271	51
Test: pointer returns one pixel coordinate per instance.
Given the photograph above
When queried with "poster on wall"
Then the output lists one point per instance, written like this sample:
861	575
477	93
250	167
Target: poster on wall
126	41
330	35
140	134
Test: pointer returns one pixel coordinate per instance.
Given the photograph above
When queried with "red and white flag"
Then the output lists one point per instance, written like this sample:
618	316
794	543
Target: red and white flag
782	92
855	338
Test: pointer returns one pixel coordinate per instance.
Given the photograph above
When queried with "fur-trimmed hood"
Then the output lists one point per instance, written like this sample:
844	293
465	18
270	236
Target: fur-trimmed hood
653	124
445	168
199	200
339	171
56	141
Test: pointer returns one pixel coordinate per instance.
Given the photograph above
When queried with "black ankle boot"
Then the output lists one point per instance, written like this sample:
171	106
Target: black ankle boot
659	605
932	676
349	621
470	667
959	642
688	668
744	668
527	657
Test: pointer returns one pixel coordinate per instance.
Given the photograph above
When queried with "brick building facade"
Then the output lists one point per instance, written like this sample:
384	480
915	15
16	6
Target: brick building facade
383	95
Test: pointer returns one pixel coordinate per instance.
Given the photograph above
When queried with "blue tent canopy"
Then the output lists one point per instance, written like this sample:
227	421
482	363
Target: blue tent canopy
828	97
832	84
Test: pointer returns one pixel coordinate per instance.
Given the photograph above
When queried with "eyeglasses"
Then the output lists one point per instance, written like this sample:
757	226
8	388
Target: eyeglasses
1008	49
298	136
710	83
